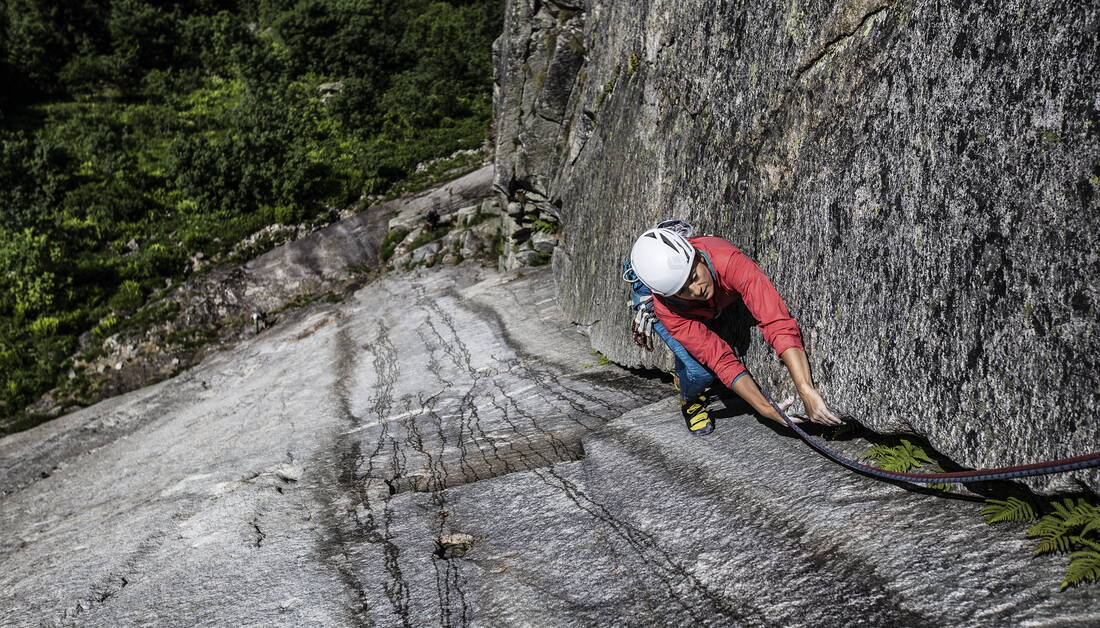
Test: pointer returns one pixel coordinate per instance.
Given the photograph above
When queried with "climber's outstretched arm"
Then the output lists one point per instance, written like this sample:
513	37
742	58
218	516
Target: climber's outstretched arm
747	389
816	409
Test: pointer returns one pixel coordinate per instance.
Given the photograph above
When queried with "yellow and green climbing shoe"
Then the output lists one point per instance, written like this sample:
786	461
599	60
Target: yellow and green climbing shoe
696	416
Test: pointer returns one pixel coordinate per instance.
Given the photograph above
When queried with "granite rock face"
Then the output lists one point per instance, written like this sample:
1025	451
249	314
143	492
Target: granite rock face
442	449
921	180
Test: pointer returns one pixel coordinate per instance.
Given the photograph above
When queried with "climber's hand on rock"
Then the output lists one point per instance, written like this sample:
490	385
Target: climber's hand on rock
817	411
786	405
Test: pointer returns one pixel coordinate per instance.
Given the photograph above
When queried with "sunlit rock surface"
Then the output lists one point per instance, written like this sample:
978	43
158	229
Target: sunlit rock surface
920	179
444	450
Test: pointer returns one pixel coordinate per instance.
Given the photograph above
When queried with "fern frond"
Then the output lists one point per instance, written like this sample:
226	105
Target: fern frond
1011	509
897	465
1051	524
1082	514
1063	509
1083	566
898	459
1066	516
1091	525
1047	527
917	454
1053	544
878	452
1087	542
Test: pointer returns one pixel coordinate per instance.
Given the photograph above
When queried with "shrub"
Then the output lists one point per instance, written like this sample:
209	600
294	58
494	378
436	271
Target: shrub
105	327
390	242
128	298
45	326
288	214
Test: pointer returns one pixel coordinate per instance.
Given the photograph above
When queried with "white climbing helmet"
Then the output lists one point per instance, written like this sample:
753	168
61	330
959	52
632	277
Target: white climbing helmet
662	260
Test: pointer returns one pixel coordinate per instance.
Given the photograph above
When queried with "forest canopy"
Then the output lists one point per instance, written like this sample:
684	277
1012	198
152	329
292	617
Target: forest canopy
135	135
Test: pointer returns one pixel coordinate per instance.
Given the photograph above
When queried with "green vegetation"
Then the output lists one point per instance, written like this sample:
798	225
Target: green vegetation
545	226
135	135
901	458
302	300
390	242
429	235
1065	526
601	359
609	86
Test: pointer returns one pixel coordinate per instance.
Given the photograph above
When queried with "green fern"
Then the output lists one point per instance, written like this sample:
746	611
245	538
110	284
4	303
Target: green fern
1053	544
916	453
1056	531
888	459
903	457
946	487
1083	514
1084	566
899	458
1049	526
1092	525
1056	528
1011	509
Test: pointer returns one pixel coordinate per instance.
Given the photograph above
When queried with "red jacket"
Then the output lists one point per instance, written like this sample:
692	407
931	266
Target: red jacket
735	277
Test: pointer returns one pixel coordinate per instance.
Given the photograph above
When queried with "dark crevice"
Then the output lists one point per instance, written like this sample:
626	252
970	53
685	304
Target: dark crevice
835	43
260	536
797	75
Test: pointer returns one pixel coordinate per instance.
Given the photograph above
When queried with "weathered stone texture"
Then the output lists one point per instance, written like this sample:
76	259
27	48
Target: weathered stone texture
440	450
920	180
300	478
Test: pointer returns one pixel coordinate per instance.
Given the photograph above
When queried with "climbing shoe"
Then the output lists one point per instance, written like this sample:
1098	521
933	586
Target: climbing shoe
696	416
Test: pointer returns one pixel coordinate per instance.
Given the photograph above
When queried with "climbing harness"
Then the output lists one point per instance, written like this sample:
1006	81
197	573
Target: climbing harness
978	475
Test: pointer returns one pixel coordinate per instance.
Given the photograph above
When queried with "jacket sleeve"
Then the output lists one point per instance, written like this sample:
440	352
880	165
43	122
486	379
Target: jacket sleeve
763	302
703	344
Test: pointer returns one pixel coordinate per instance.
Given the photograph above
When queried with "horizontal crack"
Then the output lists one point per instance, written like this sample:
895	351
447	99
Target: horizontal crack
537	452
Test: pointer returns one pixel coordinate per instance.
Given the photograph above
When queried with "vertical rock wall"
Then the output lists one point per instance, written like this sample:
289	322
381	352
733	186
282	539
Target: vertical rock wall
920	179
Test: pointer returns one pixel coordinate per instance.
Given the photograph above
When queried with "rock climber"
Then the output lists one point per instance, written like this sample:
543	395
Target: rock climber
681	284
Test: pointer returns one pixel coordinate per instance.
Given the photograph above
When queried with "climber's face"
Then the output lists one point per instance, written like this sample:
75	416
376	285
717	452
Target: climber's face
700	285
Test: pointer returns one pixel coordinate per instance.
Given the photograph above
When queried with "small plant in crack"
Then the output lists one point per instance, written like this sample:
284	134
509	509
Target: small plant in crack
901	458
1066	526
601	359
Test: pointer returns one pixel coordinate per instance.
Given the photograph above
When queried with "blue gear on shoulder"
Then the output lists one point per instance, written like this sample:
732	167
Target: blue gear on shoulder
639	292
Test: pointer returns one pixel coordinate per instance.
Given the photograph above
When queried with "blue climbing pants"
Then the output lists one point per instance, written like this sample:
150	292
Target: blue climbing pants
694	377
